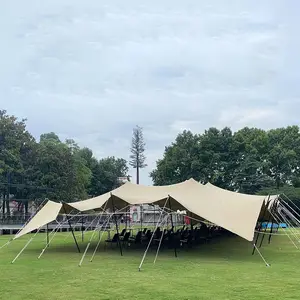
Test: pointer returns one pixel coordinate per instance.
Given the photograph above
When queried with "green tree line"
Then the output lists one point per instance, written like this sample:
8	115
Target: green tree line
251	160
50	168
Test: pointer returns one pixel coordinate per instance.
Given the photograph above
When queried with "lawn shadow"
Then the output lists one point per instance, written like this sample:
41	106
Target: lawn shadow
231	248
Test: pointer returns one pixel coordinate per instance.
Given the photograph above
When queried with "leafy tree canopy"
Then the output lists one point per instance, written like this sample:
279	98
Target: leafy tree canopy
50	168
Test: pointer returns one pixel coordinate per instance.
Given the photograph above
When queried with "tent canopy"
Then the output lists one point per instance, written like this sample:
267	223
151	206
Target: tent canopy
47	214
233	211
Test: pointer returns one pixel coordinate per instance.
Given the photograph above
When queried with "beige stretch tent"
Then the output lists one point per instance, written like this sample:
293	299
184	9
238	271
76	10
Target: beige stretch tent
46	215
235	212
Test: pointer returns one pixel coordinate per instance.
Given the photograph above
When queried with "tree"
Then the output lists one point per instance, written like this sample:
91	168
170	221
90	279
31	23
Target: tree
180	161
206	158
60	168
53	169
105	175
137	157
250	149
16	143
49	136
247	161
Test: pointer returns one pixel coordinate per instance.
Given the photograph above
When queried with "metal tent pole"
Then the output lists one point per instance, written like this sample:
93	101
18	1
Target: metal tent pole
47	228
144	256
30	240
97	246
92	236
291	203
271	231
269	219
54	232
267	265
163	223
172	224
48	243
71	228
260	226
117	228
82	232
141	210
37	210
278	220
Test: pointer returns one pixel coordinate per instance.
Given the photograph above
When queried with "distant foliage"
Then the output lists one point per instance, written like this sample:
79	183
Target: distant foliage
249	160
50	168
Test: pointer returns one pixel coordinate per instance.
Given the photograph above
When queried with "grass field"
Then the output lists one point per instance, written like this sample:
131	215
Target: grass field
224	269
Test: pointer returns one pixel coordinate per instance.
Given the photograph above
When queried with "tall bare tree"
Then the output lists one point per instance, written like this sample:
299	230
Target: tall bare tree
137	157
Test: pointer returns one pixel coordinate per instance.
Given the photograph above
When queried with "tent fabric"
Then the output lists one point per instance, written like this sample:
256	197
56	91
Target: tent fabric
132	194
233	211
45	215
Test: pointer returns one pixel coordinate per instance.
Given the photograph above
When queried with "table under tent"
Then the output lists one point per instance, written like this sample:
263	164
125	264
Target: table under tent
210	210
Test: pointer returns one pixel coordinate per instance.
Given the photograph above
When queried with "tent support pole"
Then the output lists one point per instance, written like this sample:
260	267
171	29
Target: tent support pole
144	256
290	213
117	227
172	224
271	231
291	203
294	232
126	216
6	244
100	239
260	226
141	210
37	210
82	232
53	235
161	238
26	245
277	219
265	230
91	238
267	265
47	228
74	237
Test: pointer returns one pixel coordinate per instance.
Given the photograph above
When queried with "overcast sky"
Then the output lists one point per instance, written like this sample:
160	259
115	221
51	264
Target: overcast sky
92	70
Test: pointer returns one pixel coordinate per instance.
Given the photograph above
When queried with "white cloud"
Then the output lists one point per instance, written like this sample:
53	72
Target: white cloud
93	70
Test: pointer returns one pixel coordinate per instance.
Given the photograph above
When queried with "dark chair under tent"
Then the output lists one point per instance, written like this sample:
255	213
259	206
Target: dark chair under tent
112	241
126	237
137	240
123	232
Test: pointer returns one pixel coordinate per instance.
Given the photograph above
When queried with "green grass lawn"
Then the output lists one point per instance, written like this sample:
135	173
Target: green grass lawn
224	269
